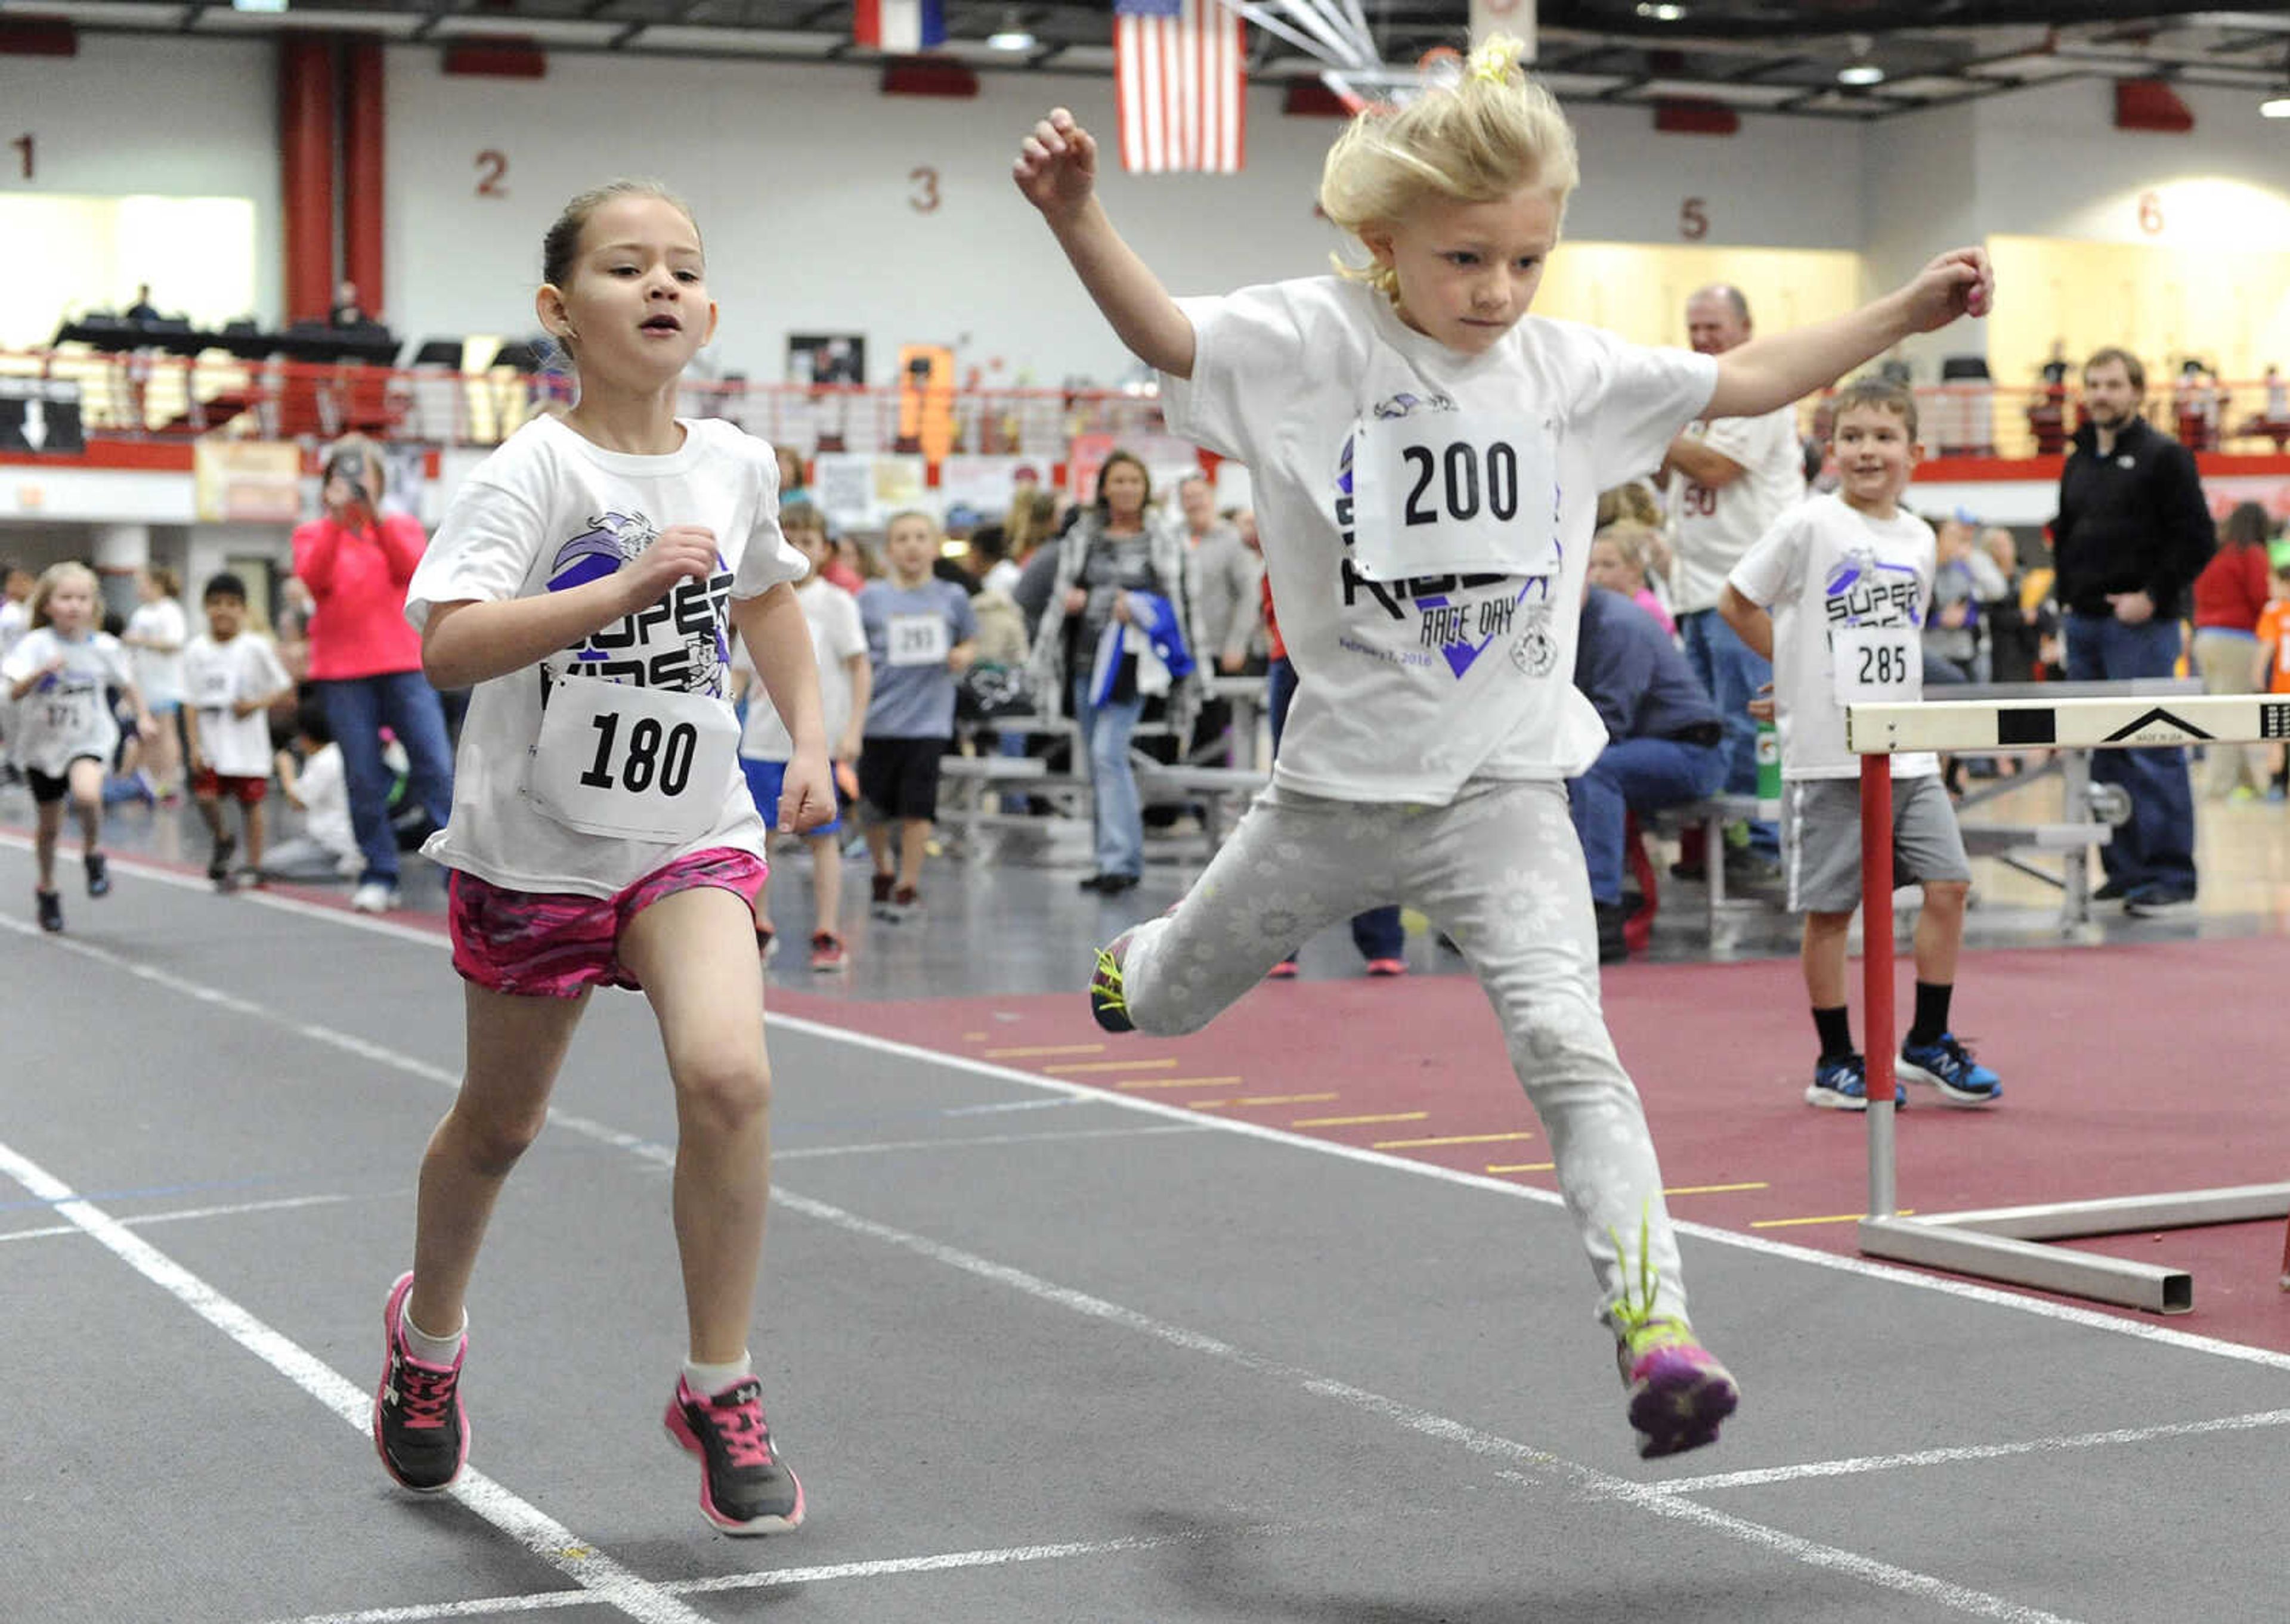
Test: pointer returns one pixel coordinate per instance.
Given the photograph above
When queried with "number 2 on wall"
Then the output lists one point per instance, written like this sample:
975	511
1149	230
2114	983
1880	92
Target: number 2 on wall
491	166
24	148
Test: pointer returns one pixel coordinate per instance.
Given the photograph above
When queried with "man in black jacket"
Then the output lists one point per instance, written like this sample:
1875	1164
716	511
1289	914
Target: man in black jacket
2133	533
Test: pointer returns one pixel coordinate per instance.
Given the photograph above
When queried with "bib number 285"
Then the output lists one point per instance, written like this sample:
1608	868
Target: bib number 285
1883	665
1457	472
654	754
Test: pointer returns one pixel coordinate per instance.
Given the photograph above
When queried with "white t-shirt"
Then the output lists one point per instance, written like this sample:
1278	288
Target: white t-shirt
15	621
66	714
656	742
325	797
1825	568
1716	526
218	676
1411	686
159	676
837	635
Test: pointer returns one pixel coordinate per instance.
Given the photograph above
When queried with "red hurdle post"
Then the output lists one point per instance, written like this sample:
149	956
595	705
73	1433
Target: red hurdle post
1876	967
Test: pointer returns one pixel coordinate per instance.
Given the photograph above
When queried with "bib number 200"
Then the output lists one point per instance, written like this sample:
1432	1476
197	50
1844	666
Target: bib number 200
655	753
1457	472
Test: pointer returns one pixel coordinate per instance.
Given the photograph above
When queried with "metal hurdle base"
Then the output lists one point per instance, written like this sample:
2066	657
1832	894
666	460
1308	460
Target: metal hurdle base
2006	1242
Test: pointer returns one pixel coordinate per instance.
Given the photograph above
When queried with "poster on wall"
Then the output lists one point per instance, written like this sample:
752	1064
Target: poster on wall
247	482
986	485
858	491
827	357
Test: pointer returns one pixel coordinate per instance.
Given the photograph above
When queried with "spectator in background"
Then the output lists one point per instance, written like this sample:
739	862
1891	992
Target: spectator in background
310	775
794	485
987	574
154	636
2131	535
347	312
1221	579
366	658
1115	552
1619	553
1729	480
2229	596
1963	579
142	311
990	562
2015	633
1664	741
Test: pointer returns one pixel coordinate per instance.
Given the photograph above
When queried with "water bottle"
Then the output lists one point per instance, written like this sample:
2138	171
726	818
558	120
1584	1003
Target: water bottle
1769	772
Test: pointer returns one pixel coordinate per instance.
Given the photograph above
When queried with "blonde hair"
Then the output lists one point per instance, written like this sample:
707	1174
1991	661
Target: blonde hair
1496	131
937	535
1633	541
35	607
1632	503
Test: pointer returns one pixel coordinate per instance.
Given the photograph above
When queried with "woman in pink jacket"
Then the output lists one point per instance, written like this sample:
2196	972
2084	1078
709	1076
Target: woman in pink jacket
365	659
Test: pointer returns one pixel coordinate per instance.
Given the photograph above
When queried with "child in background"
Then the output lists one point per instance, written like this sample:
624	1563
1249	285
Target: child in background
232	677
1620	556
585	584
157	632
845	682
2269	671
56	675
310	775
1848	581
1436	721
921	634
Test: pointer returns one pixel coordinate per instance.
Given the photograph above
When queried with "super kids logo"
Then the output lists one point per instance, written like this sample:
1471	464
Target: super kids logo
689	619
1861	591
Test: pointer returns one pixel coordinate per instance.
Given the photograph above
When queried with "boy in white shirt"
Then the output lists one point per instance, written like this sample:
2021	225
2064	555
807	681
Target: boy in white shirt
316	784
231	678
846	680
1848	581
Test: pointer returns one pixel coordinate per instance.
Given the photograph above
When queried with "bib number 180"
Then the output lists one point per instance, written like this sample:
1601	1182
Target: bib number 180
654	752
1458	474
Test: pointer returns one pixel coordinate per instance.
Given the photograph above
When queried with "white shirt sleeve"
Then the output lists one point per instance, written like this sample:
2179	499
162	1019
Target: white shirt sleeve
483	548
269	671
1772	568
116	660
850	635
1749	441
1246	345
24	659
1642	397
769	558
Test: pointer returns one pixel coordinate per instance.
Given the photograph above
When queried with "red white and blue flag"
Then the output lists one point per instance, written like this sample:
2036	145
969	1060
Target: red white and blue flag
898	26
1181	80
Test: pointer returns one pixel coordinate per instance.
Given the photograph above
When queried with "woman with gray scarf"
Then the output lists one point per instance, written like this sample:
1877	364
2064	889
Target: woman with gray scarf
1116	547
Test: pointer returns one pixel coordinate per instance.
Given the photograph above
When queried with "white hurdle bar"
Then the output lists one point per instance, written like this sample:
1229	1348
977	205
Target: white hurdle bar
2007	1243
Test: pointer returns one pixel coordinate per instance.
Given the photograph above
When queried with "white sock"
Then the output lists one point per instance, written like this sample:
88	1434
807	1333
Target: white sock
440	1350
709	1379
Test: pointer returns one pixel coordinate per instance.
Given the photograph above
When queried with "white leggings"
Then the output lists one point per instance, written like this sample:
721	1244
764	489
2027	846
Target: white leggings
1500	871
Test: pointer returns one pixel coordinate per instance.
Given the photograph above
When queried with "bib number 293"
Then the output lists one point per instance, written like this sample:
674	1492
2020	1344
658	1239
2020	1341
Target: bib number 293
654	754
1455	477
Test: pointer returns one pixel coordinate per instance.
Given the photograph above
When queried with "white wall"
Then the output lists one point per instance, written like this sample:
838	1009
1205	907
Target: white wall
1919	173
172	117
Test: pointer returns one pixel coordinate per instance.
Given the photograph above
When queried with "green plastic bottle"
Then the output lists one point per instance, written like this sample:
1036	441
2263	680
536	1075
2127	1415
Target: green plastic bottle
1769	772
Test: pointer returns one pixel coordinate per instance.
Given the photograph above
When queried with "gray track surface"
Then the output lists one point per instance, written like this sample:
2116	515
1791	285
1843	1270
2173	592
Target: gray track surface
1067	1360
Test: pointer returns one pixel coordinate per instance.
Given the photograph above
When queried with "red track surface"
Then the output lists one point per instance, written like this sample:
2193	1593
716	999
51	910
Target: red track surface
2127	1070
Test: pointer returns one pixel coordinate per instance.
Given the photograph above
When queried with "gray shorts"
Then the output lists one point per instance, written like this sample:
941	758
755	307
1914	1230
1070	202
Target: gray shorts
1820	840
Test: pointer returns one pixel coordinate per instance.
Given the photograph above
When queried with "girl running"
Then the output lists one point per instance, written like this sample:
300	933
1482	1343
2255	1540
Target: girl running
587	582
1426	460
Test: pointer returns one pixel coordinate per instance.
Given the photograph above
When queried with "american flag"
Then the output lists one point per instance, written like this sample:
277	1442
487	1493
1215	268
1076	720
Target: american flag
1180	79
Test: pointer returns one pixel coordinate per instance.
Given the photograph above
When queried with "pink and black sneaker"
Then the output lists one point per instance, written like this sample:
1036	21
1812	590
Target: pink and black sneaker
744	1487
419	1429
1680	1394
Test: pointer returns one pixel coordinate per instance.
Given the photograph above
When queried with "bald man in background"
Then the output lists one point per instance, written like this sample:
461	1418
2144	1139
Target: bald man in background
1728	478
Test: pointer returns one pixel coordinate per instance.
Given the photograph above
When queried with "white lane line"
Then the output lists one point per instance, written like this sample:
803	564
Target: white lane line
811	1152
1952	1454
1007	1105
1547	1468
600	1577
1849	1564
143	1219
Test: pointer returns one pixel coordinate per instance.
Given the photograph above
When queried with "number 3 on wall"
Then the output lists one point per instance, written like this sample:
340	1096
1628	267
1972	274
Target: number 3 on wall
924	198
493	166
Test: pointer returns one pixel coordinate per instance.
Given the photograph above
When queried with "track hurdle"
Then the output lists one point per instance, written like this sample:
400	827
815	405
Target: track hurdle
2007	1243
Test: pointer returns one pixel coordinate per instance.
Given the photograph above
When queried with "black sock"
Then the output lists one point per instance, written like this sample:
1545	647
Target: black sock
1931	1012
1836	1028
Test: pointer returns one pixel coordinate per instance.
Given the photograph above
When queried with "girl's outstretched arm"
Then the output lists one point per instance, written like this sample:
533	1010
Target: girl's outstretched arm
1057	171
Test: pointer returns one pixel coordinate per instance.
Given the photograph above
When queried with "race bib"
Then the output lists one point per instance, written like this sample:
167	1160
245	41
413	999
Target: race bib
642	763
1453	493
68	713
1877	663
215	689
919	639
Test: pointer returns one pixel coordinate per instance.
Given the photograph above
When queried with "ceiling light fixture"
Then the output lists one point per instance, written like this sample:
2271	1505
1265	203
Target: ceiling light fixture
2278	106
1012	35
257	5
1863	69
1660	13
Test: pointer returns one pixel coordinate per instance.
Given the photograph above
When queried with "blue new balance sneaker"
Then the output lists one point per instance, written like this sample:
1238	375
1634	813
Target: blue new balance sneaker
1842	1085
1949	1067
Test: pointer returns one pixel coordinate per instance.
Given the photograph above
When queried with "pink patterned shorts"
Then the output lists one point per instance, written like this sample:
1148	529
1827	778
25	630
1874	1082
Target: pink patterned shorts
558	944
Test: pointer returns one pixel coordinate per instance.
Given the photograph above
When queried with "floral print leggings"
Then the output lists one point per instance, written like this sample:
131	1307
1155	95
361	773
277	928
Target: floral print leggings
1500	871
